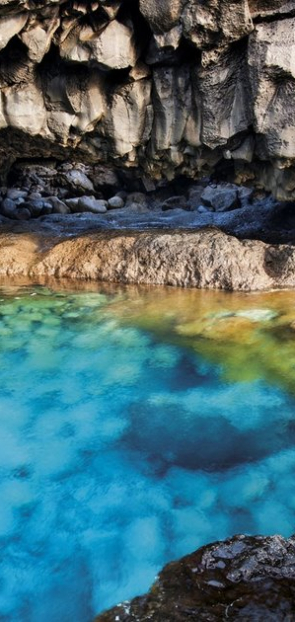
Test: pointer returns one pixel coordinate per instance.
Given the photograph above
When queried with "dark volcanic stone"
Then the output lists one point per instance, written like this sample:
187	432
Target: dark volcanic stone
223	199
245	578
8	208
22	213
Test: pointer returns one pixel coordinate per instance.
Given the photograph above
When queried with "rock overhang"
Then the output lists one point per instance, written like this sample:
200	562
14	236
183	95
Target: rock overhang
155	88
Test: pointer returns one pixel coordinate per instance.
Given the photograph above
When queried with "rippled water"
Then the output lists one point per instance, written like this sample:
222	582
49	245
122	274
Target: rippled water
135	426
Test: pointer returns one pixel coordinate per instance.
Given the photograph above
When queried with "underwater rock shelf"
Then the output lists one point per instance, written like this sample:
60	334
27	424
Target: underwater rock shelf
242	578
204	258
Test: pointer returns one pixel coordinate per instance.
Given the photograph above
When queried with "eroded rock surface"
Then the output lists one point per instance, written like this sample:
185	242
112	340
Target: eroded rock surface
243	578
93	247
169	87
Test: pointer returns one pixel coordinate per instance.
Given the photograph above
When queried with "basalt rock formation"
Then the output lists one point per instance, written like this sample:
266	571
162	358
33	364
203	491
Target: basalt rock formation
243	578
156	88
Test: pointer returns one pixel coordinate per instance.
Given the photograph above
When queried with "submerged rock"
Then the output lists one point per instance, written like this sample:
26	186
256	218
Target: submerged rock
243	578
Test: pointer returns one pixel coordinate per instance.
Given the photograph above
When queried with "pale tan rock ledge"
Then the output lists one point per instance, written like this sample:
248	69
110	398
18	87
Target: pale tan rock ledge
206	258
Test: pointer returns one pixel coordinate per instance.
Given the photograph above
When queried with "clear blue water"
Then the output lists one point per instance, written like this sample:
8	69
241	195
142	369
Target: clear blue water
120	451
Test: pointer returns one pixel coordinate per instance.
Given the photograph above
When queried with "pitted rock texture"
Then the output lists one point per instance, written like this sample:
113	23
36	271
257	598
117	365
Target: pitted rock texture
159	87
243	578
67	246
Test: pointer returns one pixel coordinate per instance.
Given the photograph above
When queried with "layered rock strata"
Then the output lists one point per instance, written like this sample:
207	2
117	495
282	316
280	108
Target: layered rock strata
243	578
170	87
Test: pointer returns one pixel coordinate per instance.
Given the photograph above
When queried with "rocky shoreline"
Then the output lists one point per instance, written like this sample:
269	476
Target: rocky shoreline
59	222
243	578
62	221
49	187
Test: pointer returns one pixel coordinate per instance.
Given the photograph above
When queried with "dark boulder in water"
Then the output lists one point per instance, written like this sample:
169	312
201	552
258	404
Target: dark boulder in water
242	578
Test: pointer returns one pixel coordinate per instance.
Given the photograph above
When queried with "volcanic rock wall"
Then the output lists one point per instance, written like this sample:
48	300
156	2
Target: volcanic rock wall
170	86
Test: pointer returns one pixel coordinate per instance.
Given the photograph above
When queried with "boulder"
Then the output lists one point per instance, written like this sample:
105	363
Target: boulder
91	204
222	199
35	206
242	578
58	206
77	180
73	204
16	193
115	202
8	207
22	213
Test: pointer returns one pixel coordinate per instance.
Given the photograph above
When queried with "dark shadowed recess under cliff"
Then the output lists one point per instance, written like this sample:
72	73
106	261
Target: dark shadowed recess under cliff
154	88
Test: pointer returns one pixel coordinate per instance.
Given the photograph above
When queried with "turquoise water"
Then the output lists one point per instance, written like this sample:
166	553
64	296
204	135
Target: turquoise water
119	451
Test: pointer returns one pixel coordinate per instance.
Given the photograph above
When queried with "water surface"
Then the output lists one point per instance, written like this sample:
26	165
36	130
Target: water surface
135	426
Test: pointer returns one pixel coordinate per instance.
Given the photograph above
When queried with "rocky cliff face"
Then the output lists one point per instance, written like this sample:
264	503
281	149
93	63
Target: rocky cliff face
170	86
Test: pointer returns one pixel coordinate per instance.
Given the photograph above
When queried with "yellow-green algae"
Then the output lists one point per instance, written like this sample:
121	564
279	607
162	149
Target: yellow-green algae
251	336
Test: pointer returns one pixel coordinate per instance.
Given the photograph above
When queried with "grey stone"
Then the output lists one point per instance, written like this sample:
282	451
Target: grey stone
115	202
22	213
73	204
222	199
77	180
35	206
8	208
19	201
90	204
34	196
16	193
58	206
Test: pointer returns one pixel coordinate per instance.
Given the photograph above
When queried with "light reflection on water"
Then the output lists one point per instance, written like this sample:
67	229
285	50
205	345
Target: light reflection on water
135	426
